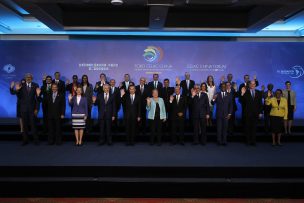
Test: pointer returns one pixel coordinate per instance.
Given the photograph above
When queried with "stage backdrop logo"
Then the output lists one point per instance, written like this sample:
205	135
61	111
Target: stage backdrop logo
9	68
8	71
293	72
153	54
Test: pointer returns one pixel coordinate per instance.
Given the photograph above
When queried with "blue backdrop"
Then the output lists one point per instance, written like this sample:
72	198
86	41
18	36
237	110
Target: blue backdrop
271	62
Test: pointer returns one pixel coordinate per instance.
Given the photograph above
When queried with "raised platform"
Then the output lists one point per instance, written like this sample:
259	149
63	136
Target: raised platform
142	170
236	170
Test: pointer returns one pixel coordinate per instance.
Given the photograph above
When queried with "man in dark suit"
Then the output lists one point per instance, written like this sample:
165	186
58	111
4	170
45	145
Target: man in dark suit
200	114
45	91
56	112
245	84
186	86
106	114
99	85
29	105
155	84
115	92
132	115
233	92
252	100
59	83
165	93
177	106
143	91
224	108
126	83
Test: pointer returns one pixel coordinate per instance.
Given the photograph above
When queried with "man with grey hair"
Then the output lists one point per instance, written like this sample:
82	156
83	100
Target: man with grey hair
251	99
143	91
106	114
29	105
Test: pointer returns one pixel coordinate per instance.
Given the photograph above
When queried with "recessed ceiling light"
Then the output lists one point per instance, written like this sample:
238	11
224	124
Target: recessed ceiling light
116	2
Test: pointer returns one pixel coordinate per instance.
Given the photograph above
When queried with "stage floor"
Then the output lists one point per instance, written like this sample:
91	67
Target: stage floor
143	155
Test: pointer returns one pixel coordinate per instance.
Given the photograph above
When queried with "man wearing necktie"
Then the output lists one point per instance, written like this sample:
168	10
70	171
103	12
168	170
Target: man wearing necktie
29	106
132	102
46	91
251	99
114	91
224	108
60	83
106	114
126	83
155	84
56	111
186	85
99	85
177	108
166	92
143	92
200	114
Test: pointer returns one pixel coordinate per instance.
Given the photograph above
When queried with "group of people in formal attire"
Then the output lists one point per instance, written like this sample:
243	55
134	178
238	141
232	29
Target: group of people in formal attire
155	104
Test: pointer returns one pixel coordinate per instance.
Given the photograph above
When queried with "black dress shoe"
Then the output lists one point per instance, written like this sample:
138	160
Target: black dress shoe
110	143
50	143
101	143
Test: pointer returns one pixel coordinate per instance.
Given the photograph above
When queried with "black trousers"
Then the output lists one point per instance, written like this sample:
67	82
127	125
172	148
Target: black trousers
28	118
156	130
251	125
199	130
131	129
231	124
222	126
54	131
89	121
177	130
45	118
105	131
143	122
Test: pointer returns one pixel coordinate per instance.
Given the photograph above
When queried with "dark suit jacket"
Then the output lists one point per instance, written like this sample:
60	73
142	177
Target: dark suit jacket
82	108
200	106
143	97
224	105
28	100
165	94
176	108
88	94
234	95
247	85
45	92
57	108
124	86
252	106
106	110
61	86
185	90
99	90
132	110
116	95
151	87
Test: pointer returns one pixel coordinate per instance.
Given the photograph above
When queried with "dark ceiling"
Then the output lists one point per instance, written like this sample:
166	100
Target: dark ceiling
169	15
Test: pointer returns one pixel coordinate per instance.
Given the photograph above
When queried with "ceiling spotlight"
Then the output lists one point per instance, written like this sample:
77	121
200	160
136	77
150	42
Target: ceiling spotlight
116	2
